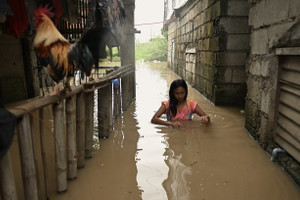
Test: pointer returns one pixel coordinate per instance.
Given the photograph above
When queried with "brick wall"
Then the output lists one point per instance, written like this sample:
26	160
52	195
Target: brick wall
218	31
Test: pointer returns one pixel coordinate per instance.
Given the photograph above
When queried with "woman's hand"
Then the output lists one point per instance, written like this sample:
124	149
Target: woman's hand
204	119
175	124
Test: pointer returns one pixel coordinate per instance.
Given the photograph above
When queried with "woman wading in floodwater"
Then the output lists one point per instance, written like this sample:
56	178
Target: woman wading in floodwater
178	107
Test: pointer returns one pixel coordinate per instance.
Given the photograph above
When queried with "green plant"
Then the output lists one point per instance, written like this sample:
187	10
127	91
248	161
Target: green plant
155	49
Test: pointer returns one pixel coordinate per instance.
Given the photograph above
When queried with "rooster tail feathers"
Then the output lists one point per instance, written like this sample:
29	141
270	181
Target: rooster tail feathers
80	56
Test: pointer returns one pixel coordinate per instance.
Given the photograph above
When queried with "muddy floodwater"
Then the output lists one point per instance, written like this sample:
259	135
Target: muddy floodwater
141	160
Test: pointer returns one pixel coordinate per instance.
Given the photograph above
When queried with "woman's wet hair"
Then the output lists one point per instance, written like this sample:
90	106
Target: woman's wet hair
173	101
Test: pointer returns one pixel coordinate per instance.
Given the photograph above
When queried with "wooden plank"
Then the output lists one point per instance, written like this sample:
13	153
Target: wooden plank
292	63
27	159
292	90
288	51
288	123
71	135
287	137
7	181
80	128
289	126
290	100
106	80
60	147
291	77
290	113
289	148
37	103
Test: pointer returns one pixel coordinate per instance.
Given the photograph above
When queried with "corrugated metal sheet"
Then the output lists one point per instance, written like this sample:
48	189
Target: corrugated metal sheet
288	115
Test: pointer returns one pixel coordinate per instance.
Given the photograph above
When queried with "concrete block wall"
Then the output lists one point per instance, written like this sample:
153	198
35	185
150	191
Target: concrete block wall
218	31
269	21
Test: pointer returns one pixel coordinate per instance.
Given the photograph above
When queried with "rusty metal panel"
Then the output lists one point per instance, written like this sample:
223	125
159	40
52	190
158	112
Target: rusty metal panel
287	132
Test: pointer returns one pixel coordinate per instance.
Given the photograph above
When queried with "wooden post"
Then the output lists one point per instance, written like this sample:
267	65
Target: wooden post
117	97
80	128
128	51
126	94
71	135
27	159
128	47
132	85
41	114
89	124
7	181
105	111
60	147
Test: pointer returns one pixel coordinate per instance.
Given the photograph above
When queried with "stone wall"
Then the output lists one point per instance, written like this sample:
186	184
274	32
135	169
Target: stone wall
270	21
219	45
208	44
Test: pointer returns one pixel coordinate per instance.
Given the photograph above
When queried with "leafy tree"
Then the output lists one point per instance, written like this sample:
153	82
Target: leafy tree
155	49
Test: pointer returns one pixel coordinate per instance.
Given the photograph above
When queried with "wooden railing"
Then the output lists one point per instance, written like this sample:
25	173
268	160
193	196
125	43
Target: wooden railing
73	128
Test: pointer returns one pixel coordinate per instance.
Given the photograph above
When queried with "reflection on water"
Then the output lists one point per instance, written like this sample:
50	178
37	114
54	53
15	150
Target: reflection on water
153	170
141	160
176	182
215	161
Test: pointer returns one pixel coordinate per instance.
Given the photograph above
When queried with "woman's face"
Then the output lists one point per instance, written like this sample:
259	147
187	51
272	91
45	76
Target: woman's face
179	94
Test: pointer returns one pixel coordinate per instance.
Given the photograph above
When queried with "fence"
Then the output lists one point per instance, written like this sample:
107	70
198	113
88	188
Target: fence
72	143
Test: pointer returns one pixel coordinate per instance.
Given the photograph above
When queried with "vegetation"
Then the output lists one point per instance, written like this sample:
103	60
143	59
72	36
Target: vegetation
115	55
155	49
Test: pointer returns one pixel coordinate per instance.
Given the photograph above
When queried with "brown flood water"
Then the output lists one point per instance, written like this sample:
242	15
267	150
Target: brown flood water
141	160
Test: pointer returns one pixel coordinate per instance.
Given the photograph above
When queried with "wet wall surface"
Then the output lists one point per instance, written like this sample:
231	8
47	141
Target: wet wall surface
141	160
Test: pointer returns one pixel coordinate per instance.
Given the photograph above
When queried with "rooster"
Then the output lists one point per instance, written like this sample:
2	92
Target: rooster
62	57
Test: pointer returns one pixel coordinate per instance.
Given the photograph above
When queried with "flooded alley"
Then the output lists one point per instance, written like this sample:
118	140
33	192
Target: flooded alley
145	161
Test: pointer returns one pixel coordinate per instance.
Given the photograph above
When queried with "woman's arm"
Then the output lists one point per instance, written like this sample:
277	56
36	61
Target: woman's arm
156	118
204	118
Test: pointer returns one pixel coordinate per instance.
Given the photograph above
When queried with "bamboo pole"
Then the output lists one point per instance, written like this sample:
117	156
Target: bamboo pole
126	93
133	81
89	124
105	111
71	135
27	159
42	139
47	100
60	147
80	128
117	97
7	181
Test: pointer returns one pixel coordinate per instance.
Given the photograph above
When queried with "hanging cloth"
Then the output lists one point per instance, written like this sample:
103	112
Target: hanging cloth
17	23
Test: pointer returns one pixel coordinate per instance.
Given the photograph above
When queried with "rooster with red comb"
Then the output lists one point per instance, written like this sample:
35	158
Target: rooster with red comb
62	57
